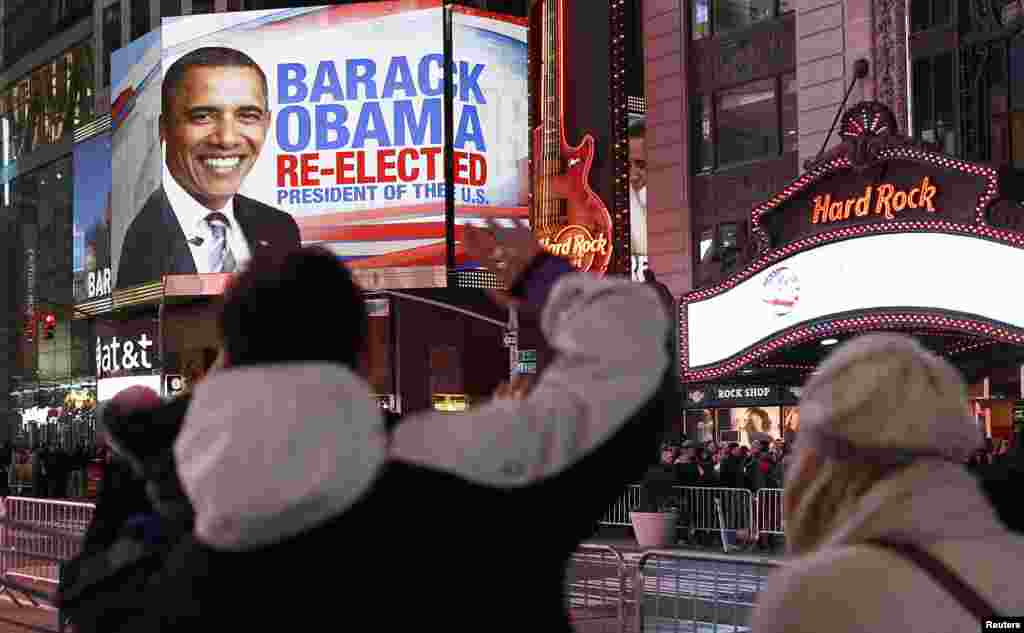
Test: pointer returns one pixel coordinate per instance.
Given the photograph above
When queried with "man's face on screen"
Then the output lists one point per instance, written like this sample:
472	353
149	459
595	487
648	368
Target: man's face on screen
215	129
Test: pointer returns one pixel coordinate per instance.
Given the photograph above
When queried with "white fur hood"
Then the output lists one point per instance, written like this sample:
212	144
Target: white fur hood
269	452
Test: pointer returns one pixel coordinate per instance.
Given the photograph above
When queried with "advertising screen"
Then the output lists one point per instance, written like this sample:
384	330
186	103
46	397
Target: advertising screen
319	125
498	167
92	215
897	271
755	423
638	195
136	160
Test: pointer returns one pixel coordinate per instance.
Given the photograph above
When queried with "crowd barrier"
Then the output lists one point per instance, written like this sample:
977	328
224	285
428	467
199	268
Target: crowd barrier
596	590
686	591
37	536
607	592
768	510
741	509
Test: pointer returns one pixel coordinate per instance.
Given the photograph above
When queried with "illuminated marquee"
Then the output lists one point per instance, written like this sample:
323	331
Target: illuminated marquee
885	200
578	245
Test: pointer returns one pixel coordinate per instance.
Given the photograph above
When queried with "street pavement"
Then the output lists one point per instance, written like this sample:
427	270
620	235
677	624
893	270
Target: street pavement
15	619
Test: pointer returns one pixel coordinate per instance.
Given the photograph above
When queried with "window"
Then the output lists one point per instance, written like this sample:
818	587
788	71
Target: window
40	108
26	23
704	149
732	15
170	8
111	37
141	23
928	14
1016	80
707	240
725	16
203	6
742	124
790	136
700	15
747	121
934	106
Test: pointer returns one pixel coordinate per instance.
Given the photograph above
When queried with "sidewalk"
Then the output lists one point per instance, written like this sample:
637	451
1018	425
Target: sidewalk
15	619
625	543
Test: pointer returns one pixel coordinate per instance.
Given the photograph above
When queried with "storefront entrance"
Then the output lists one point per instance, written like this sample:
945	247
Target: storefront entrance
880	234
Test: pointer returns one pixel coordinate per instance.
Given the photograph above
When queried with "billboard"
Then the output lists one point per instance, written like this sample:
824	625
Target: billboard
92	216
319	125
498	45
637	195
896	271
126	355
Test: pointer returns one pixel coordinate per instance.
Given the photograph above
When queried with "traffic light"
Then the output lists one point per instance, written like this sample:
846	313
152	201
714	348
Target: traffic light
49	326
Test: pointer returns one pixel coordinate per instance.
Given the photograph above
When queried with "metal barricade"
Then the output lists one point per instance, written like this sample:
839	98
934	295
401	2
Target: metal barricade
618	514
61	515
768	511
698	512
27	565
689	591
596	593
37	534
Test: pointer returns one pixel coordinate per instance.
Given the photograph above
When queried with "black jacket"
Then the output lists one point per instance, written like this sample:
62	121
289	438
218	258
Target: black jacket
463	513
139	482
156	245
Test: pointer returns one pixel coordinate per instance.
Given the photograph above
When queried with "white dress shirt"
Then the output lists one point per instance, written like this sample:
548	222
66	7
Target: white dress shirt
638	220
192	218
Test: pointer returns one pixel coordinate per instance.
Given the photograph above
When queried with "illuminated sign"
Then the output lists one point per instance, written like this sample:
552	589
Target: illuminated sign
578	245
885	200
349	153
450	403
127	348
114	355
902	271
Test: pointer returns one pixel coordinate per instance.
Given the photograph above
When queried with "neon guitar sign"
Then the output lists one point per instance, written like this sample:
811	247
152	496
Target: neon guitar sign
569	219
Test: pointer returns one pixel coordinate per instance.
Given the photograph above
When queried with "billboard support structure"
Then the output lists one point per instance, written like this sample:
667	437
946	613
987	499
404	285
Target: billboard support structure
449	140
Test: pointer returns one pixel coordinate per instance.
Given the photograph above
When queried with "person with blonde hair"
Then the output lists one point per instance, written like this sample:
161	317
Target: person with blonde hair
887	529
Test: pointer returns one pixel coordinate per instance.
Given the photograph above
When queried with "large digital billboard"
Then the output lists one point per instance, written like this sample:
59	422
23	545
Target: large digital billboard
638	196
498	46
92	216
317	125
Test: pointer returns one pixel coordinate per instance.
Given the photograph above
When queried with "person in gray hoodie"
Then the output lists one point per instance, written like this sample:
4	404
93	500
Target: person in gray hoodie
886	528
284	458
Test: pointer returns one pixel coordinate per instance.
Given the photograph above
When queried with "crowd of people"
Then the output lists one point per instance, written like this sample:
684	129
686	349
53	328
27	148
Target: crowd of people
47	471
761	465
280	462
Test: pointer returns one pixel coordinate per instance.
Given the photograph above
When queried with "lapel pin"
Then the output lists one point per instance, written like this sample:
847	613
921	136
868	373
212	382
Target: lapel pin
263	243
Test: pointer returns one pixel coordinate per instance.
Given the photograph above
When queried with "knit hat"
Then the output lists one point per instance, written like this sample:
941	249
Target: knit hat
885	399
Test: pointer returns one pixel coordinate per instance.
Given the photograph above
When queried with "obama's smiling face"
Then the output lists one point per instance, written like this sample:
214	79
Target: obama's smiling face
215	124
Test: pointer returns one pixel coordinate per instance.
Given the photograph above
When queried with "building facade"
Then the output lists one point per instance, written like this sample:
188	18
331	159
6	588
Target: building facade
746	97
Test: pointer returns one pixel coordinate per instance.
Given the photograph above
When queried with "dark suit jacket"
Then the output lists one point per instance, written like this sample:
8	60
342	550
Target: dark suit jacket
156	245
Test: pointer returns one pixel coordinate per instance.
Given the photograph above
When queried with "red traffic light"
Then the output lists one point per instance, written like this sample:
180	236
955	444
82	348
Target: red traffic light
49	320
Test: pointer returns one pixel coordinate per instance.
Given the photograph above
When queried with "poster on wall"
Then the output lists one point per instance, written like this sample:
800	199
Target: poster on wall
496	162
755	423
638	195
92	216
318	125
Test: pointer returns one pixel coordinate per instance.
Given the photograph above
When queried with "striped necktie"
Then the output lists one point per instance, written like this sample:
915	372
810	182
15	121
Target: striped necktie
222	260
